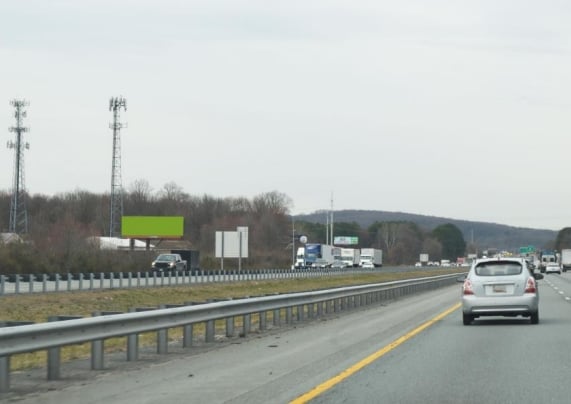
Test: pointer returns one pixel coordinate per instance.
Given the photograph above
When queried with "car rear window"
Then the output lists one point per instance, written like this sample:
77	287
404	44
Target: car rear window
498	268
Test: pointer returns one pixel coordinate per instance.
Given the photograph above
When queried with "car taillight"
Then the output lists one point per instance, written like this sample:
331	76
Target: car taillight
530	286
467	288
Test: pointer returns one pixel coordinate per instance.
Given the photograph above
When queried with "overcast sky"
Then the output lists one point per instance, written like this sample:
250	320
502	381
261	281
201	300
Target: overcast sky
447	108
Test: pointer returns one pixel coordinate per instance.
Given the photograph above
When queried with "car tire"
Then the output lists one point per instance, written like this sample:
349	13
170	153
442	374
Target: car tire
534	318
467	319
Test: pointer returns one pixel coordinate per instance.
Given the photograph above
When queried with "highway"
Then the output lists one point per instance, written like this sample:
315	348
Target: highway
491	361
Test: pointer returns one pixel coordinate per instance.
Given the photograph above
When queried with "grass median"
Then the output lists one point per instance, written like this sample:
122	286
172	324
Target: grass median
38	307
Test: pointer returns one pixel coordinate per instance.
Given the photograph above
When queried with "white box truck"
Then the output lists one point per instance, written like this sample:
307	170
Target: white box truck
371	257
565	259
350	256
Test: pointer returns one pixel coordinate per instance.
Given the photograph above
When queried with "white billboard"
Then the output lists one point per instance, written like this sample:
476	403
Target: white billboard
232	244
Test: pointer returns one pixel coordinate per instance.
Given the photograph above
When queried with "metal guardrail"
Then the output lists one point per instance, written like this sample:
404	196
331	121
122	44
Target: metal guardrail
54	335
44	283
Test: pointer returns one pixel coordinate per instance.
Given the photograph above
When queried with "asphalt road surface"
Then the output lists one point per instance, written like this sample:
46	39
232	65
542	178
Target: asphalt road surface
326	361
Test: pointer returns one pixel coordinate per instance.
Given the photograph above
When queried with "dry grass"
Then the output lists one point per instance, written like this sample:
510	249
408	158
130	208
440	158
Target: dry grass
38	307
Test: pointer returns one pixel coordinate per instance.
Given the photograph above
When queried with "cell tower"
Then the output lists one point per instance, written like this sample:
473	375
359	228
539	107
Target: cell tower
18	213
115	105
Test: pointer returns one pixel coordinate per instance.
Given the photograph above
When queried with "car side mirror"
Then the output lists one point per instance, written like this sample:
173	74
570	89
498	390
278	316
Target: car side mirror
461	279
538	276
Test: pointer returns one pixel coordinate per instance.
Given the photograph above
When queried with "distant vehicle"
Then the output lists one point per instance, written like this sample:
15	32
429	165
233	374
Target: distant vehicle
321	263
351	256
546	257
552	267
338	264
418	264
308	255
371	256
500	287
565	259
367	264
300	258
445	263
168	262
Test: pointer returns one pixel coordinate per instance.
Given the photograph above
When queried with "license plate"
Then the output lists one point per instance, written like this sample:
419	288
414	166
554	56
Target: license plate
499	289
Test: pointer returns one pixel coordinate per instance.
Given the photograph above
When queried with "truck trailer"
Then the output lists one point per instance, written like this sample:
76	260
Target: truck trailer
565	259
310	254
371	257
350	256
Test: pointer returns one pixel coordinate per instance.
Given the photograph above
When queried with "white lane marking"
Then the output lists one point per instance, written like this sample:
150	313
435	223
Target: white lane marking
567	298
561	292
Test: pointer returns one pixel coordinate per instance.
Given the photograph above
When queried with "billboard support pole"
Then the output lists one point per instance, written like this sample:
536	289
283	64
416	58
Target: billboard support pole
222	255
240	252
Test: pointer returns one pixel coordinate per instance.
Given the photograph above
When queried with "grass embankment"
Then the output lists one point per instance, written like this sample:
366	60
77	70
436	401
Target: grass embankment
38	307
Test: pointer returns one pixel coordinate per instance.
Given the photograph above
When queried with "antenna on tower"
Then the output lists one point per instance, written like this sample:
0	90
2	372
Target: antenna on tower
115	105
18	214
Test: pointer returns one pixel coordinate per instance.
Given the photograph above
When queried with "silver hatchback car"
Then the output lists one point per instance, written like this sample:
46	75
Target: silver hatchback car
500	287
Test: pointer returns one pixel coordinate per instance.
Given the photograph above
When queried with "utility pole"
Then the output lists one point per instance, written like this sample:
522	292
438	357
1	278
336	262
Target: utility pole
331	233
18	214
115	105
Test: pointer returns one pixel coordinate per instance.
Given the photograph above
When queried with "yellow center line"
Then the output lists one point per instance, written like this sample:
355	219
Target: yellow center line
323	387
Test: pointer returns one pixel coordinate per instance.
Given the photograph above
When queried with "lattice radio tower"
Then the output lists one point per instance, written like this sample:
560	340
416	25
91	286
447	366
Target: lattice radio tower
115	105
18	213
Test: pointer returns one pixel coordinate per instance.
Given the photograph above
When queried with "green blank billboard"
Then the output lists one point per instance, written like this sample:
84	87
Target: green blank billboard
152	226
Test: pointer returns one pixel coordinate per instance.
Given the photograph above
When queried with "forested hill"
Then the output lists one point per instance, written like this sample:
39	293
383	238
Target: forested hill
485	235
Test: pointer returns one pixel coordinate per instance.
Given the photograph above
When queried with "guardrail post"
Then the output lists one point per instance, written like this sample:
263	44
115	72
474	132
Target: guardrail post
300	312
97	346
313	307
336	306
54	358
277	319
209	331
263	320
132	345
81	281
17	284
97	350
4	374
247	326
289	315
120	279
2	284
162	337
229	327
187	333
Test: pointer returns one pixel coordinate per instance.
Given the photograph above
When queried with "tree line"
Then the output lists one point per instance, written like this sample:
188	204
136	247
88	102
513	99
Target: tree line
59	228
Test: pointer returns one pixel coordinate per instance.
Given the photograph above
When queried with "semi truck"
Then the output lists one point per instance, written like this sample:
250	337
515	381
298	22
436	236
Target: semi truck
565	259
371	257
312	254
299	258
